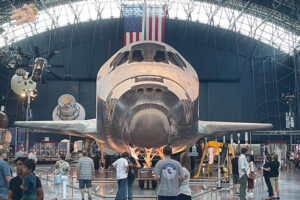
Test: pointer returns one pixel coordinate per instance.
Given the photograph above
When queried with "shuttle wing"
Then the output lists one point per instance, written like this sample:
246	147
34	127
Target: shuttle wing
214	128
83	128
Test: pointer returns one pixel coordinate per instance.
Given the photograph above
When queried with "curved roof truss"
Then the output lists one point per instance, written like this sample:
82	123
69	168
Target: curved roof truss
220	15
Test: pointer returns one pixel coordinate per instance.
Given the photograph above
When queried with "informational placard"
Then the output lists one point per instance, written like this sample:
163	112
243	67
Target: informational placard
145	174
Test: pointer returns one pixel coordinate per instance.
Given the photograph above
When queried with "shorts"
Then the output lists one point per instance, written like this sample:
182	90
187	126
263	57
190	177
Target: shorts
167	197
184	197
274	181
29	197
85	184
235	179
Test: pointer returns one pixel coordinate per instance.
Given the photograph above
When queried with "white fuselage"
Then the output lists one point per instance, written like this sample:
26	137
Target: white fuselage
146	99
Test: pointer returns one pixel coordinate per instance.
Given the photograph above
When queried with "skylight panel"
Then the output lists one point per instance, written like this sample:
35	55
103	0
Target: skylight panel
202	12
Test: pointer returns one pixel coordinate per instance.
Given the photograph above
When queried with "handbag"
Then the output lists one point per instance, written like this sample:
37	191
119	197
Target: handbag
57	179
252	175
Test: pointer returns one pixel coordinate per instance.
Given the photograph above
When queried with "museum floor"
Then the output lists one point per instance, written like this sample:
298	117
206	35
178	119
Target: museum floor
289	183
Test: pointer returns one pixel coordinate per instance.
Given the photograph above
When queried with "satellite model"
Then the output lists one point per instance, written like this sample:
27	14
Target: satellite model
68	109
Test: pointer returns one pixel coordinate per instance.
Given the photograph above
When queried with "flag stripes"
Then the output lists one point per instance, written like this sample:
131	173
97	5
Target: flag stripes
154	22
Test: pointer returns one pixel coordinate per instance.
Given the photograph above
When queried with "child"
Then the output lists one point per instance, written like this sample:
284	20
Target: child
29	182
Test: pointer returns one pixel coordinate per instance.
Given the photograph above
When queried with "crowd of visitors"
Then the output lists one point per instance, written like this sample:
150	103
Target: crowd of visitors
244	173
25	186
172	176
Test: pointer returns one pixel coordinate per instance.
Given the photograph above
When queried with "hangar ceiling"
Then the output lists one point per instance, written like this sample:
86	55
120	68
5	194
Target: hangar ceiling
273	22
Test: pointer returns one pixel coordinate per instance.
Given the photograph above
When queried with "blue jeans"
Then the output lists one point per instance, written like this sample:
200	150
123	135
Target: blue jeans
122	190
130	188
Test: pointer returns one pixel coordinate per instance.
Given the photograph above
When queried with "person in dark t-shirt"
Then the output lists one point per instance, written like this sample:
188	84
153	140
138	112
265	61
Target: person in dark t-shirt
274	173
266	172
29	181
235	173
15	192
130	177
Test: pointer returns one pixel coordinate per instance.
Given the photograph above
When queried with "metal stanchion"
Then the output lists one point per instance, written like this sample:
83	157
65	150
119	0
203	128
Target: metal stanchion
73	185
54	174
47	179
219	172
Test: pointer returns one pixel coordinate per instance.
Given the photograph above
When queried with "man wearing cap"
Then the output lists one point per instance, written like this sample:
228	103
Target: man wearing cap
20	152
4	175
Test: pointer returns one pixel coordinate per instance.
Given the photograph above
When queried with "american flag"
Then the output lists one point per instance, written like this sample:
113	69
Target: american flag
155	23
136	21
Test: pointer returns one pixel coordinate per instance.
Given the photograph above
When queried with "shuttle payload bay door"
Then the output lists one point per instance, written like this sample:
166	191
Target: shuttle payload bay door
218	147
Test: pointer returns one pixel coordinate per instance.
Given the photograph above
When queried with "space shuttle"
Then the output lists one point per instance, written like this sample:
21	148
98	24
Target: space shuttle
147	96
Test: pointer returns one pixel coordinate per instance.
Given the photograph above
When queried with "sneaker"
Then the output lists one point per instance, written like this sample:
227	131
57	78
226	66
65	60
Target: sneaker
236	194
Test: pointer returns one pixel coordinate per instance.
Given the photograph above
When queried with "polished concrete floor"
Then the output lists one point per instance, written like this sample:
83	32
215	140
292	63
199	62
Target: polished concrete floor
289	183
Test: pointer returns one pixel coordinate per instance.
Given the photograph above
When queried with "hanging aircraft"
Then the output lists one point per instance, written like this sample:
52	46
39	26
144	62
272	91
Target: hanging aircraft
147	97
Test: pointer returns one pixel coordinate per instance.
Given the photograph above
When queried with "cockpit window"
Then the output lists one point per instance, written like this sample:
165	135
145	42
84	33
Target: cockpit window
113	63
176	60
124	58
120	59
137	56
160	56
146	52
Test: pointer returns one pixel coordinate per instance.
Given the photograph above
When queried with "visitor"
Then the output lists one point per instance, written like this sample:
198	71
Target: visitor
266	173
62	168
274	173
122	169
15	192
250	178
32	156
235	174
184	192
131	176
4	175
96	160
244	172
169	173
20	152
29	181
85	174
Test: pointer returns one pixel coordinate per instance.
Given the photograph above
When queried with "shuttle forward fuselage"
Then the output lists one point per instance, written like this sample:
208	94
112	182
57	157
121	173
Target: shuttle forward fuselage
147	96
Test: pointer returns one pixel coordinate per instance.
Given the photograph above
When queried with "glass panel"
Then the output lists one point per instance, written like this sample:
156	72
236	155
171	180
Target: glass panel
160	56
137	56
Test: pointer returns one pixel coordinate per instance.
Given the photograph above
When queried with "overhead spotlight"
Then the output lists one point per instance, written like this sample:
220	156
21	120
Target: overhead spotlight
23	94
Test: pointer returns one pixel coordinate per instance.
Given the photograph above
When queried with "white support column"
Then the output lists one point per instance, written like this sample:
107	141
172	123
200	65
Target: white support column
246	139
239	141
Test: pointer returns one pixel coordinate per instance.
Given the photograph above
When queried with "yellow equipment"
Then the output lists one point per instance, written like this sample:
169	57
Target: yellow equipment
218	146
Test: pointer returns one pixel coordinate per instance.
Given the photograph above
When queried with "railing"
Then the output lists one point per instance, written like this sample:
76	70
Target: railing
39	172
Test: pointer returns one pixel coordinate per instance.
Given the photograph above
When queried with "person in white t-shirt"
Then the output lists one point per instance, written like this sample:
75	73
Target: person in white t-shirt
184	191
122	170
32	156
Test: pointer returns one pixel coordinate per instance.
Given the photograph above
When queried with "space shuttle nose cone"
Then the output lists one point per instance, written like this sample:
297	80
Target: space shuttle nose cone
149	128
